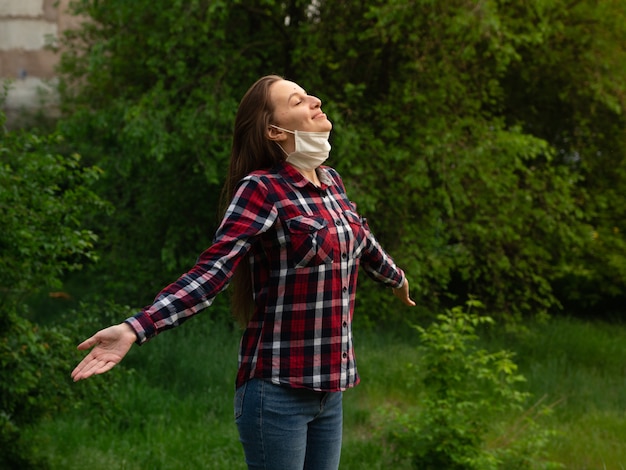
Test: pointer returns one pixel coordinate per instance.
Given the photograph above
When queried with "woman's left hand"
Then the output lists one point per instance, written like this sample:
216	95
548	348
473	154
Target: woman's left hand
403	294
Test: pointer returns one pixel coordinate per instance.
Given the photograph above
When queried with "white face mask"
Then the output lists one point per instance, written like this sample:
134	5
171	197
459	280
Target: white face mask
312	149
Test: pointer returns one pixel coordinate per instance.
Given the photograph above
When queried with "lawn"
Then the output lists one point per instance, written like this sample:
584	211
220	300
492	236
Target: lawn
173	407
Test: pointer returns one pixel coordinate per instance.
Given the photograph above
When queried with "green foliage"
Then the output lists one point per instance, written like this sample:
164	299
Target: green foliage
484	141
35	384
25	363
43	196
150	91
465	171
159	413
568	88
466	393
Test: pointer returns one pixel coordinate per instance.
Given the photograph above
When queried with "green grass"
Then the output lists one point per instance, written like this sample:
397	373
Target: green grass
582	366
175	410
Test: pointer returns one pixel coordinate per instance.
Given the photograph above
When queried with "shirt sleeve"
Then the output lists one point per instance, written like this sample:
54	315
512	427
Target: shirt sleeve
375	260
378	264
250	213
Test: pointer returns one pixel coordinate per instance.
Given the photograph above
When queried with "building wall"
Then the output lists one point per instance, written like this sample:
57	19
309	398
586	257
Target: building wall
26	27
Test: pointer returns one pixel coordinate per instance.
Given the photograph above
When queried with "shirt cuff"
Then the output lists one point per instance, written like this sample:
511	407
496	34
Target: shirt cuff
402	279
143	326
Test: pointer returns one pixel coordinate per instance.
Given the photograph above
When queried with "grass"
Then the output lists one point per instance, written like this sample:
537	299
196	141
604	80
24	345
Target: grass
581	364
175	410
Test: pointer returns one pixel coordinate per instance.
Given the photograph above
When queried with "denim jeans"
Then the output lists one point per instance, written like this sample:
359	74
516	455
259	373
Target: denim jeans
282	428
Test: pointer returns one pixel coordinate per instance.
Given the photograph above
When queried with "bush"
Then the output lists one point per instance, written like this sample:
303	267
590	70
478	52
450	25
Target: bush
44	197
35	383
467	394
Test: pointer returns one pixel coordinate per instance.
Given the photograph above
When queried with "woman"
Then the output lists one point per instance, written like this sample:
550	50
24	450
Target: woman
291	242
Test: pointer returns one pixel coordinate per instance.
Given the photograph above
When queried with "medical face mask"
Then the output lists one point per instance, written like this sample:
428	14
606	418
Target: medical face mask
312	149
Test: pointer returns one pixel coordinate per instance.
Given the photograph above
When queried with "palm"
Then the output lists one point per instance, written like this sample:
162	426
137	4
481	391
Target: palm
109	348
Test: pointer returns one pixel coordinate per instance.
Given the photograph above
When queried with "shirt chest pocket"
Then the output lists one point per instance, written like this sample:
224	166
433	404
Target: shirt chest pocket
310	240
358	226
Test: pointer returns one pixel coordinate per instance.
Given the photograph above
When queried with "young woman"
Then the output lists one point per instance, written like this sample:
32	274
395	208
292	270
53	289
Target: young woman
291	243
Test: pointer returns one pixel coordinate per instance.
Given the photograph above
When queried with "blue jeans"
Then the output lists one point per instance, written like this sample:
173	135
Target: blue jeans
282	428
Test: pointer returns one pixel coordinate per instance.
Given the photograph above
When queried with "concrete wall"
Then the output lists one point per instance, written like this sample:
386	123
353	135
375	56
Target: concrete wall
26	27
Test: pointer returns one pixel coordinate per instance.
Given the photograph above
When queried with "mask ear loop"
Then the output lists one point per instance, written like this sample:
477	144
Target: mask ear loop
282	129
276	142
281	147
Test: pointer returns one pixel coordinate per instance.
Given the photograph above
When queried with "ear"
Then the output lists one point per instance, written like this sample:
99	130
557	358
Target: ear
276	134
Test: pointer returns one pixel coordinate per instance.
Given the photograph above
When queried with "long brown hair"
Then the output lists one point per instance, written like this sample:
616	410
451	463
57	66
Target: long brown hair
251	150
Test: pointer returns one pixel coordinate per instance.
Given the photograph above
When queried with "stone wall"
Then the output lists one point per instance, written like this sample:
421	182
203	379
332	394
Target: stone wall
26	27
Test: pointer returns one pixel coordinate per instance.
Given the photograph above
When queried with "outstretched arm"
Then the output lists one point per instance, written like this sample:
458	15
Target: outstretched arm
109	348
402	293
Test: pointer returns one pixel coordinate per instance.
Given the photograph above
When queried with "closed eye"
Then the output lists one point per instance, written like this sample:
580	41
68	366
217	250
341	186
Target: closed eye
296	98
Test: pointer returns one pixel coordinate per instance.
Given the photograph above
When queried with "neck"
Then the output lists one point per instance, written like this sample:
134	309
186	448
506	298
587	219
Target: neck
311	175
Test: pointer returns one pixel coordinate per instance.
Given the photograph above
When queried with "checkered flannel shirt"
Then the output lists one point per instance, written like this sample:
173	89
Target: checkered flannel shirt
304	246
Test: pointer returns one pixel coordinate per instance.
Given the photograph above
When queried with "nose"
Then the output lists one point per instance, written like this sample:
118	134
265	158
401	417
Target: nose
315	102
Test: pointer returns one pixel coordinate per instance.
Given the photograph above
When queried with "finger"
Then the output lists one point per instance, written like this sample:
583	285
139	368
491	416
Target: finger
88	343
88	368
79	371
100	367
405	298
76	376
106	367
406	295
91	369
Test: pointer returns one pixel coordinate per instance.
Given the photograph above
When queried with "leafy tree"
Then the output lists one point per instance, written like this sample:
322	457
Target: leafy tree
155	87
568	88
468	132
42	198
474	204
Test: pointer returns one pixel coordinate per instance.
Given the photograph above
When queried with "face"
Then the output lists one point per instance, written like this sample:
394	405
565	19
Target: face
294	109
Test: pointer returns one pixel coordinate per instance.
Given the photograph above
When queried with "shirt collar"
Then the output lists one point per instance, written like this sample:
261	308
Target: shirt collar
292	175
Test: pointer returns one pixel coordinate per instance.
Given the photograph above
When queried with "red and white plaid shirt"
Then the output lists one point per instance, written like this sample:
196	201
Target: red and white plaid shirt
305	245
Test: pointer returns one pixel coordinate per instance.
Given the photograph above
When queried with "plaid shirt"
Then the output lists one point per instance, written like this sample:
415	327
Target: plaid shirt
305	245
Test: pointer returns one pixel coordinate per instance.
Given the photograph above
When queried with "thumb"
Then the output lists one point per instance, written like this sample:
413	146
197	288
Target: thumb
88	343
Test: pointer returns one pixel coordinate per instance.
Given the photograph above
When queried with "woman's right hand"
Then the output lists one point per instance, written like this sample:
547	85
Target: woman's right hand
402	293
109	348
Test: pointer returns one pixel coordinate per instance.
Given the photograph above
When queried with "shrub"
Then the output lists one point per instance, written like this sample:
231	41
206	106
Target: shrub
469	395
44	197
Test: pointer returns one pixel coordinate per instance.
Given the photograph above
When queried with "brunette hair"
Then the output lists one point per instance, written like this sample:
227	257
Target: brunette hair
251	150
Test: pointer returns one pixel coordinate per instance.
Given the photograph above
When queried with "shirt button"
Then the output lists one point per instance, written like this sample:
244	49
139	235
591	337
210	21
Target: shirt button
345	324
345	289
337	222
344	255
344	355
